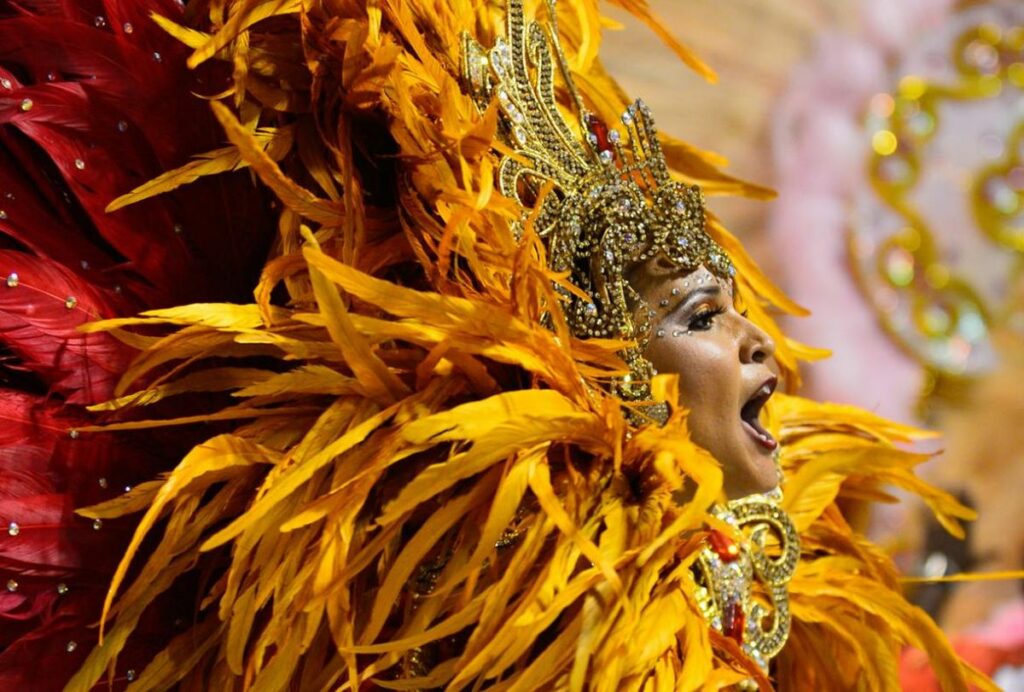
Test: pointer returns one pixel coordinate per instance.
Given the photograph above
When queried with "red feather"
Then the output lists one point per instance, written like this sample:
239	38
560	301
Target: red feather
110	105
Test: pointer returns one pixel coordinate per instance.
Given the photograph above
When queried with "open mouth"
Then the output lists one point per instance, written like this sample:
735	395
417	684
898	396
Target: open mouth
751	412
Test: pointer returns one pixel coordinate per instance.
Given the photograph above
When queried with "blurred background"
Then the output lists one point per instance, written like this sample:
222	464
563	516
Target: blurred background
893	132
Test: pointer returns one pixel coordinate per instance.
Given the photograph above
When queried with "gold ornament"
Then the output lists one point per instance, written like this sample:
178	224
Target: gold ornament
727	571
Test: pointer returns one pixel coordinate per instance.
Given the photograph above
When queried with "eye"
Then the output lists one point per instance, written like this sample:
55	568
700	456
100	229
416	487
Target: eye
703	318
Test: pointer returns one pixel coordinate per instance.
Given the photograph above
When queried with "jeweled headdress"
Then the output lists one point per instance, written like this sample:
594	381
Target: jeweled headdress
603	201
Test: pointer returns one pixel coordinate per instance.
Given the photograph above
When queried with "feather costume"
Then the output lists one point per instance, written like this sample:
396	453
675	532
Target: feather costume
414	478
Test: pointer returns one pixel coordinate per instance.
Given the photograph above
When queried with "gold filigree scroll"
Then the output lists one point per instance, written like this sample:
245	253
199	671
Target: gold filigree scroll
939	311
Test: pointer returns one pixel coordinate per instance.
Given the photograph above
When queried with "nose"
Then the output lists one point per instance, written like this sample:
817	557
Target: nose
757	345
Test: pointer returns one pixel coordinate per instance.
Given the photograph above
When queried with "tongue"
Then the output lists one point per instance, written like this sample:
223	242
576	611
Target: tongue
764	437
755	423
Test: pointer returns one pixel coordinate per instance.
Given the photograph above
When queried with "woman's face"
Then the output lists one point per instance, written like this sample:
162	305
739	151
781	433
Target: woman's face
725	365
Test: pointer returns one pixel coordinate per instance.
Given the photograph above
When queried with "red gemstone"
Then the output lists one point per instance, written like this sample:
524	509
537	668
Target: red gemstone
723	546
734	620
600	132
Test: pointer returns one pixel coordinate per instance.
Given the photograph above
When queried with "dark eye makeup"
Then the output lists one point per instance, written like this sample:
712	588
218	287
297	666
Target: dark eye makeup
704	317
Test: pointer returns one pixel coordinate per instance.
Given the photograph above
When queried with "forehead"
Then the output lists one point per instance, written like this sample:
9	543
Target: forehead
658	274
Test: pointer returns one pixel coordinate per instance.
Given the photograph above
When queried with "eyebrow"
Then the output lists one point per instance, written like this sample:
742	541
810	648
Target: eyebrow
712	291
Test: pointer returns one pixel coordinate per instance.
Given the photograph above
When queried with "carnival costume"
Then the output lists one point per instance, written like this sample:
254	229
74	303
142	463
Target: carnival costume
435	455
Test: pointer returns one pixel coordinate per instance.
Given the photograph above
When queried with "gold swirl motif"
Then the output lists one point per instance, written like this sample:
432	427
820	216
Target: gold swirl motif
947	320
756	618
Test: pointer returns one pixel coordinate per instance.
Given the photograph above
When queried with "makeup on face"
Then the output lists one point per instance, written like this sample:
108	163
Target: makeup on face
724	365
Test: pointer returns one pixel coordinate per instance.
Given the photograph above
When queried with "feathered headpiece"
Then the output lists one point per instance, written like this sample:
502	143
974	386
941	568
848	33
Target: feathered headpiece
603	202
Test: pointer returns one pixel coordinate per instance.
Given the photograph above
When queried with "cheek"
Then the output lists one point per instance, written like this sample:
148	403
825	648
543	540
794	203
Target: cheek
703	366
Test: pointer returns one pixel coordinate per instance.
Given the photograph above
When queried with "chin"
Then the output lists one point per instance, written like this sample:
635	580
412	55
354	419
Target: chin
749	476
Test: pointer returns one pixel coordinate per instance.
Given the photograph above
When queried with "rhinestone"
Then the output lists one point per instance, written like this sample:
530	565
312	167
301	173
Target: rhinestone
130	674
122	125
127	488
73	434
676	332
675	291
660	333
614	136
26	104
590	309
62	588
85	264
605	156
627	119
157	57
80	164
128	28
70	302
51	76
13	529
12	585
178	228
103	482
97	524
5	83
100	22
12	279
71	646
683	243
520	135
3	214
663	302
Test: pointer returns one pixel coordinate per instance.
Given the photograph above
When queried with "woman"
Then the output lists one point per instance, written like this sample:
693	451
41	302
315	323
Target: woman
456	463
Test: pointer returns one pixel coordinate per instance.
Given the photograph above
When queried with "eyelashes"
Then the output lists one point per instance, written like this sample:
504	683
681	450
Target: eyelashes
704	318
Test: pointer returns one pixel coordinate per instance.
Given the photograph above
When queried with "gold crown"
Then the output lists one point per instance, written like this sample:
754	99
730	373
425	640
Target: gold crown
602	202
